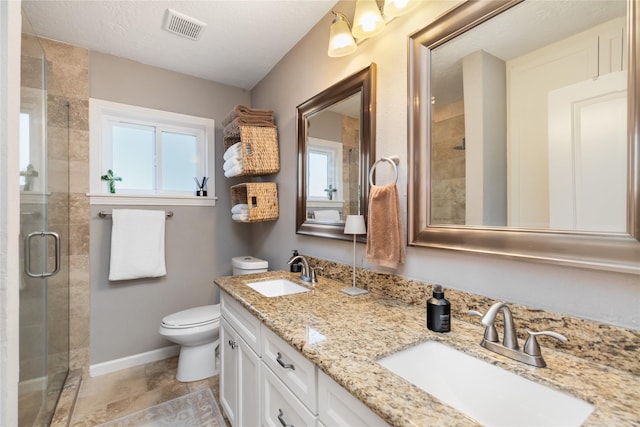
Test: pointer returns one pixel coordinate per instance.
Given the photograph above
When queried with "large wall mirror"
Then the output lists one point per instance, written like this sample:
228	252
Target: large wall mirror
524	132
336	143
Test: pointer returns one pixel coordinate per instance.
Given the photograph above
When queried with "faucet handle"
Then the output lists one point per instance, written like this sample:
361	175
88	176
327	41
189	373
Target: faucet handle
531	346
490	333
312	274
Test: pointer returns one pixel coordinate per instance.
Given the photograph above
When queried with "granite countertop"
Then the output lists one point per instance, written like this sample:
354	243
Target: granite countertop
345	336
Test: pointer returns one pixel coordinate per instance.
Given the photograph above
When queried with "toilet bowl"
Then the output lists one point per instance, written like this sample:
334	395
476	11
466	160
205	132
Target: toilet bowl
197	330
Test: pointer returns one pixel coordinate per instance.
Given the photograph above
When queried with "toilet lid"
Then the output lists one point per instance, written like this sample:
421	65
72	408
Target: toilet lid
192	317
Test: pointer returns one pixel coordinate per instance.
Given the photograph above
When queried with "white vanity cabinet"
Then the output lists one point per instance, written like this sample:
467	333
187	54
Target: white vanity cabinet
280	406
289	384
266	382
337	407
240	364
291	367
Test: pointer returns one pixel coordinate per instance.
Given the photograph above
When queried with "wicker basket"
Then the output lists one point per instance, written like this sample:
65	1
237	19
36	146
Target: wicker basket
260	154
261	197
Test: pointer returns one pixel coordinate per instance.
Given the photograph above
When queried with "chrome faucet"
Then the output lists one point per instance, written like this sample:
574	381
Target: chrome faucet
314	275
510	339
531	353
305	267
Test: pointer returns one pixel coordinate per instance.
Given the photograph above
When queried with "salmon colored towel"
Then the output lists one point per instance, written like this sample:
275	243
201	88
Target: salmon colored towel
385	239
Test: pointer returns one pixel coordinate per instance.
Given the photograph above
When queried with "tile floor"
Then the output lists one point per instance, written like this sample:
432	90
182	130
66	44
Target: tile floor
120	393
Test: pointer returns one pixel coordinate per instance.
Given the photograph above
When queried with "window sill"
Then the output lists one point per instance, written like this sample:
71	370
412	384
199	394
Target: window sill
150	200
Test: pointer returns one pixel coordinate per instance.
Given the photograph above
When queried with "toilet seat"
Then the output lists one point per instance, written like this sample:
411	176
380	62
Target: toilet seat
193	317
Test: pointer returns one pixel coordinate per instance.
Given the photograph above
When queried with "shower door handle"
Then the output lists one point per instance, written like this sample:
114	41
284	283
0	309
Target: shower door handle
27	254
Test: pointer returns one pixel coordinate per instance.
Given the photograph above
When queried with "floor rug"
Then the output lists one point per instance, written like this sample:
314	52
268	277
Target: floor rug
197	409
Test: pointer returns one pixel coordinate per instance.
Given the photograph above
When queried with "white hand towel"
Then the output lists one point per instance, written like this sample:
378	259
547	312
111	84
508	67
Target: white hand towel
240	208
234	171
232	162
137	244
234	150
240	217
327	215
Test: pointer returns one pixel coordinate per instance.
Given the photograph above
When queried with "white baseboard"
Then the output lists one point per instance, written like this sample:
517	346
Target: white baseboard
131	361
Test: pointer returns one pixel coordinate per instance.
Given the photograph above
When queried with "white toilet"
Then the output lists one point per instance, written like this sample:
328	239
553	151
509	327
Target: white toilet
197	330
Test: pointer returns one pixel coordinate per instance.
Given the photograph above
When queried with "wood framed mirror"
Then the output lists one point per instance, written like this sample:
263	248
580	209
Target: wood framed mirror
474	184
336	148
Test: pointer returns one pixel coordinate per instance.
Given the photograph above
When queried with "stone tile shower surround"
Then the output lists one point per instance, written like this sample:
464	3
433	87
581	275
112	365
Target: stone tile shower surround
68	82
601	343
448	165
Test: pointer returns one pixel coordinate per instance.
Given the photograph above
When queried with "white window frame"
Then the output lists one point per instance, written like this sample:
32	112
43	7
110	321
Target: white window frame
103	112
333	150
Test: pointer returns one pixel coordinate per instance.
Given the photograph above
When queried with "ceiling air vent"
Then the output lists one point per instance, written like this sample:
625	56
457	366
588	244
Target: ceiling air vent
183	25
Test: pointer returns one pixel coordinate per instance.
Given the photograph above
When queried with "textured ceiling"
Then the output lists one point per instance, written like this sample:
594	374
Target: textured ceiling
242	42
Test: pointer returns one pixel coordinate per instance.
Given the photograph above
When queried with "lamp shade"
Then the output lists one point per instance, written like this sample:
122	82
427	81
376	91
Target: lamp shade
367	21
393	8
355	225
341	42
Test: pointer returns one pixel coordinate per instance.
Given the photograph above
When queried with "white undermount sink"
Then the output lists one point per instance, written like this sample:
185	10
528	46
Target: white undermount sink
277	287
484	392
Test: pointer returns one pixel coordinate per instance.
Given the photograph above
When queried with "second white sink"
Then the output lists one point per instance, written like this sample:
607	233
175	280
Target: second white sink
277	287
484	392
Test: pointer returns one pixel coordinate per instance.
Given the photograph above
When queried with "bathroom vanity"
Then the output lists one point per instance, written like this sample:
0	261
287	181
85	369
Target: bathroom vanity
265	381
311	358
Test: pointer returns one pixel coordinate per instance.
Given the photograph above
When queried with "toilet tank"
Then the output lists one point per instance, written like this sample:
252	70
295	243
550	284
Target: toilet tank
248	265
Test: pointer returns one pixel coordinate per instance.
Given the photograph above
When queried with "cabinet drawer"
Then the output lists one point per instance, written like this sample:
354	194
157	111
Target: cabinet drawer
295	371
241	320
280	406
337	407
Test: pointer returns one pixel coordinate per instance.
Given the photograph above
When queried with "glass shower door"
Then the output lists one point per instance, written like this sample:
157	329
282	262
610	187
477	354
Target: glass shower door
44	230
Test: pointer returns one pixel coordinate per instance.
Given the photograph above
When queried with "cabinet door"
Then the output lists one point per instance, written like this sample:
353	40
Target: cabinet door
296	372
229	372
249	382
281	408
338	407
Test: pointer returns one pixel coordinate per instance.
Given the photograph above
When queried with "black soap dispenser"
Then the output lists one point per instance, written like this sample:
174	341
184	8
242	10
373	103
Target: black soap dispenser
296	266
438	311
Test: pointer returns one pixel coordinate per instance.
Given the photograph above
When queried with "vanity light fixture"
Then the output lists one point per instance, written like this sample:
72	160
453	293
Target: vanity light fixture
341	42
354	225
368	21
395	8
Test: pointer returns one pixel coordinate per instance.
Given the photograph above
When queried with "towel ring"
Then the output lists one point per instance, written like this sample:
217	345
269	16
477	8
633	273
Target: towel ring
393	160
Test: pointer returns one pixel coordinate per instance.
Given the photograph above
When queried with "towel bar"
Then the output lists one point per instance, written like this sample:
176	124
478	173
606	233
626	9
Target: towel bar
393	160
103	214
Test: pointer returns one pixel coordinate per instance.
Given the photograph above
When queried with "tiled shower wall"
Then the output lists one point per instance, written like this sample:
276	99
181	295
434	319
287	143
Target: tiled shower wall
448	194
68	81
350	162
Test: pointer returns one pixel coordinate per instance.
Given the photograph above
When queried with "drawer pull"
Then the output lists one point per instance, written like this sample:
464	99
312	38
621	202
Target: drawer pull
281	419
233	344
284	365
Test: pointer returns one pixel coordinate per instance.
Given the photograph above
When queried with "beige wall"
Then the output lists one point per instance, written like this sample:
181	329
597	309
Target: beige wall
200	241
305	71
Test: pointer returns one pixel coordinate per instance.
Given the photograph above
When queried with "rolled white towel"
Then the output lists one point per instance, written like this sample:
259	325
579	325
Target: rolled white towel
234	171
240	208
234	150
233	161
240	217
